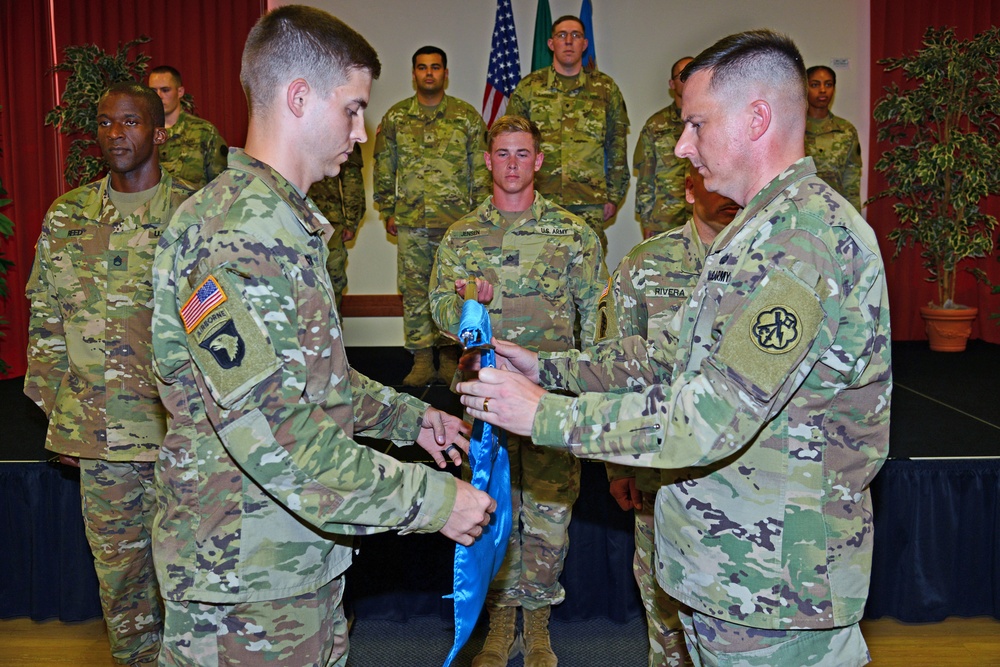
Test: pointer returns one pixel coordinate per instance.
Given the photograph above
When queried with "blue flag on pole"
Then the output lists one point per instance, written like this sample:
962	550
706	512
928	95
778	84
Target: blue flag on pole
476	566
590	55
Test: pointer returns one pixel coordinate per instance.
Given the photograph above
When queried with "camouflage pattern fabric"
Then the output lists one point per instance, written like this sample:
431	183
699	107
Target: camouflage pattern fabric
195	152
430	170
834	146
118	502
584	127
341	200
416	249
546	270
307	629
659	187
89	353
717	643
258	461
780	394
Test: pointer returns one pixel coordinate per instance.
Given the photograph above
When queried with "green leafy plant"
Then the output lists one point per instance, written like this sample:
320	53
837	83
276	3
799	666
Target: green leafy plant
6	231
944	155
91	71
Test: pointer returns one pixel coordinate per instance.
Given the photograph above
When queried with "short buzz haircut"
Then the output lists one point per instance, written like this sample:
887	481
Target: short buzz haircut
510	125
821	68
430	51
755	55
677	62
296	41
569	17
167	69
145	94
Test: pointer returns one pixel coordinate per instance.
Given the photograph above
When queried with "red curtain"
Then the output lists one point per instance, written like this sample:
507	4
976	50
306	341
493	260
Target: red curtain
897	28
203	40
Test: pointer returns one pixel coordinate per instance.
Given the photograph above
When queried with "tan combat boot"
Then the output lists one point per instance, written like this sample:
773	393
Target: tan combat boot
447	363
423	368
500	645
537	649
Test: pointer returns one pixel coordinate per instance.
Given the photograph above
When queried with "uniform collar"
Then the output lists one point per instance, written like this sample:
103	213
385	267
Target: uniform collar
158	206
415	109
553	81
490	214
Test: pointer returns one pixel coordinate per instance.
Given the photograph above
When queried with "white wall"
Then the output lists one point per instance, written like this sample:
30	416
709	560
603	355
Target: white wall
636	42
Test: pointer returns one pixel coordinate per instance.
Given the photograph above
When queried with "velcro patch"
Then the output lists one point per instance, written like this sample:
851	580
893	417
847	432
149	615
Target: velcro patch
206	298
772	334
231	347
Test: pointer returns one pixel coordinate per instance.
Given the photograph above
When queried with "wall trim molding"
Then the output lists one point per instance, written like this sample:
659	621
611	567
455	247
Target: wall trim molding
371	305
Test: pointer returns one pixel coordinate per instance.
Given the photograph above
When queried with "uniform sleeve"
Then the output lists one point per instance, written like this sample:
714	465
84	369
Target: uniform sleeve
616	148
47	357
517	105
709	413
352	184
216	155
614	364
481	181
446	304
851	178
282	423
589	276
384	173
645	185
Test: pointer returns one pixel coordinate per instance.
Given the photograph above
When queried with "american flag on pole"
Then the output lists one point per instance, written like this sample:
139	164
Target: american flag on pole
505	64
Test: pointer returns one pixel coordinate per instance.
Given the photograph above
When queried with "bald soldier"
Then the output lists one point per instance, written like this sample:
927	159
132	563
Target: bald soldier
778	395
89	356
262	486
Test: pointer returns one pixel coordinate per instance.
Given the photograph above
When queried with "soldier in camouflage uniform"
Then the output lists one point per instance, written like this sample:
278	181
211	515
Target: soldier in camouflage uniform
429	172
89	357
538	268
195	152
584	126
779	392
831	141
261	484
649	286
341	200
659	190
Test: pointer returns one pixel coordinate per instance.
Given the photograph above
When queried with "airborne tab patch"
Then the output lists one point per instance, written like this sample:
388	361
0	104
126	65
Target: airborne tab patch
202	301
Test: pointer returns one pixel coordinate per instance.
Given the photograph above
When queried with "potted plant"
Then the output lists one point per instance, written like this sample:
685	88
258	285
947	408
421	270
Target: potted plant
944	160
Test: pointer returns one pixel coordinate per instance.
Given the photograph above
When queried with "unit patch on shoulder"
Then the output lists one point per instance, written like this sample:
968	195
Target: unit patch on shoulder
202	301
775	330
226	345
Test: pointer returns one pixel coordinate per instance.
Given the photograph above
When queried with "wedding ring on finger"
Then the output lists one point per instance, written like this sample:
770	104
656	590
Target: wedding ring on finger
486	405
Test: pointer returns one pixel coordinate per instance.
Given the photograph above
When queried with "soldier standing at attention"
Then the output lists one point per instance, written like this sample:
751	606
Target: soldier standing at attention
584	126
89	356
660	199
429	172
779	391
261	486
341	200
195	151
537	267
831	141
648	288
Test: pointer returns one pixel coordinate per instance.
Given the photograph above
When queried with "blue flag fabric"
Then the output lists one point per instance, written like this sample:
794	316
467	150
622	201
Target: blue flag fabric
587	17
476	566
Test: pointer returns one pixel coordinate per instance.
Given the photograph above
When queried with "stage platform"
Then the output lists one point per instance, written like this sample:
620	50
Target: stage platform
936	520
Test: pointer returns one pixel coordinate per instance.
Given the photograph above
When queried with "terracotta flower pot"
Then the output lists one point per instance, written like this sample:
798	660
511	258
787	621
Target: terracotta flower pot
948	329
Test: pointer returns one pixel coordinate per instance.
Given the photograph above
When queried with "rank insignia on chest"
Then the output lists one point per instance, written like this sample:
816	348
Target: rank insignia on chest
119	262
776	330
202	301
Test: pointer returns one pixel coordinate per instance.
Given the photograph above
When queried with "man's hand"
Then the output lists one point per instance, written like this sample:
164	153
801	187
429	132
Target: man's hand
472	511
72	461
484	290
502	398
390	226
513	357
441	432
648	233
609	211
626	494
347	235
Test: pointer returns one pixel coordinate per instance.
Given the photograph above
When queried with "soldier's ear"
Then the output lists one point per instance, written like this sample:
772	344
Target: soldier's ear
159	136
538	160
295	96
760	118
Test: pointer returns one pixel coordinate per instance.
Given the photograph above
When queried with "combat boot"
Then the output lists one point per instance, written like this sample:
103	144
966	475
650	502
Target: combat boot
537	648
500	645
422	372
447	363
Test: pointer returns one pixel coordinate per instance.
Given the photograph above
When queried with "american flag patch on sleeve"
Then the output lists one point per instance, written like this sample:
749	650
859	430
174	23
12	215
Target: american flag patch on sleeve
203	301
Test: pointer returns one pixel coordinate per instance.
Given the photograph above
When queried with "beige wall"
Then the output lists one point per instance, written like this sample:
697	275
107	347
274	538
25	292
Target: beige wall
636	42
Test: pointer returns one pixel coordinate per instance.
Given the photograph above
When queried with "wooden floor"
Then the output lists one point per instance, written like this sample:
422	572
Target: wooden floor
953	643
